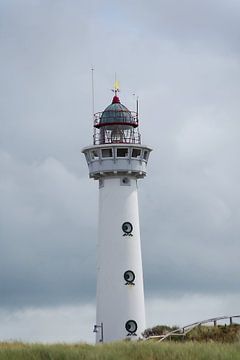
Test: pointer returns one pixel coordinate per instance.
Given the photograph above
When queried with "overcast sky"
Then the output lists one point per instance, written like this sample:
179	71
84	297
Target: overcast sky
182	58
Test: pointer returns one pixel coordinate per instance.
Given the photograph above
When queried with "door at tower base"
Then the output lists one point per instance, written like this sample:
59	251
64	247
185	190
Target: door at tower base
120	295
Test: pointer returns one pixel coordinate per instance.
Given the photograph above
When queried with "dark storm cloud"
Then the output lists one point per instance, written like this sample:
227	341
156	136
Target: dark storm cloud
182	59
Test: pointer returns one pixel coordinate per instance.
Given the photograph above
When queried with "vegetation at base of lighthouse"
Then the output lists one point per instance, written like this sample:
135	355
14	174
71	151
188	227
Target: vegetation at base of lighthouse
205	333
143	350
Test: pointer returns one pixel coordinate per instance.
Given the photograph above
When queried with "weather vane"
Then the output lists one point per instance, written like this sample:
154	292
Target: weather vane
116	86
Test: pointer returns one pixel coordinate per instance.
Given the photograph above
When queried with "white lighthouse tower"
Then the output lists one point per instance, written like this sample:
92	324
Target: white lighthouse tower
117	159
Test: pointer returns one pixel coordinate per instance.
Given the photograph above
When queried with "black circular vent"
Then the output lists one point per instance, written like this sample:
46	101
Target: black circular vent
127	227
129	277
131	326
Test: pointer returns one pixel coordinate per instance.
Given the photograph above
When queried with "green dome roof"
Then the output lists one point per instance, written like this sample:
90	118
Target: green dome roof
116	113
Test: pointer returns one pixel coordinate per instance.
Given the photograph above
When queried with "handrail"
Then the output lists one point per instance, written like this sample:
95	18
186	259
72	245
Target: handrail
182	331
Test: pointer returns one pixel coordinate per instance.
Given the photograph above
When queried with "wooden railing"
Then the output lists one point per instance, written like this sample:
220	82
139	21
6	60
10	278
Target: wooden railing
182	331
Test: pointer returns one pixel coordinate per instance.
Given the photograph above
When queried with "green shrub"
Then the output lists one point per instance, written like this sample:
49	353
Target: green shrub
158	330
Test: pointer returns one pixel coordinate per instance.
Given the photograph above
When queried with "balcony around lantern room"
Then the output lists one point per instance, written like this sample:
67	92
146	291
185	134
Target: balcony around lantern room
107	159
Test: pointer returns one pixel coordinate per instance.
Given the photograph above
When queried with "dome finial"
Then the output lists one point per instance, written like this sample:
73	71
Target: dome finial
116	90
116	86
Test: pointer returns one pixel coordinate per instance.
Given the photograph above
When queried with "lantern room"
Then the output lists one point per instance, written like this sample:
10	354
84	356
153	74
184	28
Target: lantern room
116	125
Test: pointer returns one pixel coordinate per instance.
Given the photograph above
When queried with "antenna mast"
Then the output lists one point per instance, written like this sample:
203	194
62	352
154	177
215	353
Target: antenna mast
137	107
93	100
136	98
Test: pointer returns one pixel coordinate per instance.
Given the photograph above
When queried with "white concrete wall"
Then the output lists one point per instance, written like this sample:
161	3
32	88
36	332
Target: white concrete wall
116	302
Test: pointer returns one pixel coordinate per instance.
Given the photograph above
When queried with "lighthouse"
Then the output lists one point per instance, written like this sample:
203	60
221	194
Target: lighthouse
117	159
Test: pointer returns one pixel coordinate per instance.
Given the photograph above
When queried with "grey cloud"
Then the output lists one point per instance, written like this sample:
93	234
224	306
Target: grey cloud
47	239
193	25
58	324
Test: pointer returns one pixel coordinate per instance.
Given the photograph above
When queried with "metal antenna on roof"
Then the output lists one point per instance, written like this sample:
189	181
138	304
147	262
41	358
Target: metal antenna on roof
137	106
93	100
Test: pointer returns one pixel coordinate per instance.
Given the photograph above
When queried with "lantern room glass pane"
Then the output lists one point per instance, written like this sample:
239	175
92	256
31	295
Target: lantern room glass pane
107	153
136	153
94	155
122	152
145	155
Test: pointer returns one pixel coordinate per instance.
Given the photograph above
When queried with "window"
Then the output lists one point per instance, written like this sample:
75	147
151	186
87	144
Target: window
94	155
122	152
106	153
145	155
87	155
136	153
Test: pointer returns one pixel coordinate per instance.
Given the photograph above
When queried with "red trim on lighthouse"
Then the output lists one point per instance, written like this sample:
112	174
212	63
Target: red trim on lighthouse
134	124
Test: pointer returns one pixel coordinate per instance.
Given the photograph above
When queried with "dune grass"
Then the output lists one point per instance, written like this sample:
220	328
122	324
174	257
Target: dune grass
121	351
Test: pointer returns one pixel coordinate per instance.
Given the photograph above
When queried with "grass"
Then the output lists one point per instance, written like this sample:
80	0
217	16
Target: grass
220	333
121	351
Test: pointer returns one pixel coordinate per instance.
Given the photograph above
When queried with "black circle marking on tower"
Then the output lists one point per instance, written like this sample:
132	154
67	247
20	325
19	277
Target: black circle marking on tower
131	327
127	228
129	277
125	180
